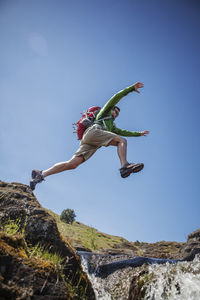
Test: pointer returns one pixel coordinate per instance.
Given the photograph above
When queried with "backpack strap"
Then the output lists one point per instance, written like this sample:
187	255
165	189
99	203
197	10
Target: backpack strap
103	121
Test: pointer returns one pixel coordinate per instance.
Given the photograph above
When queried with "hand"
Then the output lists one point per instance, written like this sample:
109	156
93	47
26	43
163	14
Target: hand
144	133
138	85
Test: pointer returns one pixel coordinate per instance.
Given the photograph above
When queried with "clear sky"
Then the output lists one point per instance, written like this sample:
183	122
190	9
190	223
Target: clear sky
59	57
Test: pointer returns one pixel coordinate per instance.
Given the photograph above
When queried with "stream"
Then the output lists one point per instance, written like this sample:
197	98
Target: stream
114	277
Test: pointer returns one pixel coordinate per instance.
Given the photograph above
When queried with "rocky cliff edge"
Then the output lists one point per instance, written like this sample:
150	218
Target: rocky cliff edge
23	273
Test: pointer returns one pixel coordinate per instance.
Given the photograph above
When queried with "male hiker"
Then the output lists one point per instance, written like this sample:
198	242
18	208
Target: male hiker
102	132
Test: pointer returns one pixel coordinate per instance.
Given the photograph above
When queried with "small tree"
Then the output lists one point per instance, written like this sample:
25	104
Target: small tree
68	216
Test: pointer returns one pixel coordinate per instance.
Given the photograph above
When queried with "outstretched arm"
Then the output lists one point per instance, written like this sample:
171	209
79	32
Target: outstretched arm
124	132
105	111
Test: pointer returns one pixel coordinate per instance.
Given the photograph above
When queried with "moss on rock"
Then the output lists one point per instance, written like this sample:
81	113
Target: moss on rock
23	276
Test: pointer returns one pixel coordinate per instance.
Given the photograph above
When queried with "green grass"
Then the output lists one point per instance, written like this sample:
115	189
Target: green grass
40	258
80	235
39	251
13	227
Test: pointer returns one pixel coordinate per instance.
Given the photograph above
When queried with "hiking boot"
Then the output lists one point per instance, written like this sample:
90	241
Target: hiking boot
36	178
127	169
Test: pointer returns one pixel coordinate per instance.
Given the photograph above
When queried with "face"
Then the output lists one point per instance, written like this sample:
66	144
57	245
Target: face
115	113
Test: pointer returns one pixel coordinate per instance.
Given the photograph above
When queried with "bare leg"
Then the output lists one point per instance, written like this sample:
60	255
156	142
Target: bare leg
121	144
73	163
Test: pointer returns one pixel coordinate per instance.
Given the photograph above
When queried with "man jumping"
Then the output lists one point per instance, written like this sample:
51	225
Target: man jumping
103	132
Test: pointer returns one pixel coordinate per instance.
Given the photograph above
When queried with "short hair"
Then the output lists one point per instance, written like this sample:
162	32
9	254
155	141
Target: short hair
116	108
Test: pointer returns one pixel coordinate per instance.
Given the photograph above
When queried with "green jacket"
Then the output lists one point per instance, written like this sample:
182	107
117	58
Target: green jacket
106	111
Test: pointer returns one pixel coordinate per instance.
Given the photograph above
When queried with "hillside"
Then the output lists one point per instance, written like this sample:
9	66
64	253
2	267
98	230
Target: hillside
83	237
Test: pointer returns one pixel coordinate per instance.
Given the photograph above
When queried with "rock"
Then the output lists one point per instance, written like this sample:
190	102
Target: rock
162	249
80	248
133	251
192	246
136	291
106	269
125	247
18	203
22	278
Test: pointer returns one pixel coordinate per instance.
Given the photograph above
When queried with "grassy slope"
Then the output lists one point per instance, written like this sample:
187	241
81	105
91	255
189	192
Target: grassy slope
80	235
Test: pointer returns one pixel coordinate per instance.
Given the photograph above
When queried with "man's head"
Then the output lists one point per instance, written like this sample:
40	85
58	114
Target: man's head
115	112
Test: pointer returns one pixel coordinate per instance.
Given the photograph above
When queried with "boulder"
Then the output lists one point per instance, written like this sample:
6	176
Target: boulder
18	203
191	247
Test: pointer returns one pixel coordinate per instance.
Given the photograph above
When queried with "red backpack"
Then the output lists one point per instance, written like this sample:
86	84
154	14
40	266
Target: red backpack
85	121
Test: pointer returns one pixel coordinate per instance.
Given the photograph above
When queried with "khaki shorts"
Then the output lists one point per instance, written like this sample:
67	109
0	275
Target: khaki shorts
93	138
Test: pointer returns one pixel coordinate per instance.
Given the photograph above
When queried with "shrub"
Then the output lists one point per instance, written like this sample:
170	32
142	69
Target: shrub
68	216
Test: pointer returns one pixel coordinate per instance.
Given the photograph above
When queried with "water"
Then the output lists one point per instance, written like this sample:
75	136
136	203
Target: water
98	288
180	281
174	282
109	287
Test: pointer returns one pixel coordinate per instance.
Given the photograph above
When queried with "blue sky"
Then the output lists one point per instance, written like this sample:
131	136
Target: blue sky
60	57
